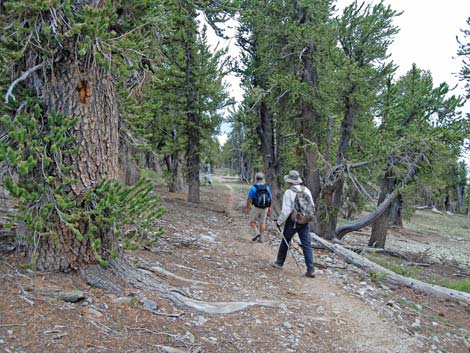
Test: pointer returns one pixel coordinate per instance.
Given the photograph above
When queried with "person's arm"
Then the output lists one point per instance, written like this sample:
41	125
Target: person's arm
249	200
271	196
287	206
247	206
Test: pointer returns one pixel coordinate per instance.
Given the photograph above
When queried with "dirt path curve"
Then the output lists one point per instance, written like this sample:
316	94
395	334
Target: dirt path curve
315	315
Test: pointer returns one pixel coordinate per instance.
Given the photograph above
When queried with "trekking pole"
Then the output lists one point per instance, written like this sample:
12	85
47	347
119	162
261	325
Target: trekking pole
288	247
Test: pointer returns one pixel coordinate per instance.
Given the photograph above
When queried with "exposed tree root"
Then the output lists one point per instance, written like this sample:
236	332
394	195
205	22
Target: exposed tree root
72	296
144	279
222	307
162	271
99	277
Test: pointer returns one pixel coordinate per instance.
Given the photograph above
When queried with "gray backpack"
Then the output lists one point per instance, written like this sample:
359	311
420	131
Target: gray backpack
303	212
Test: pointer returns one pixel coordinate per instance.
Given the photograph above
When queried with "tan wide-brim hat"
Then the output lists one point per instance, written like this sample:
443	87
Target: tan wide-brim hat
293	177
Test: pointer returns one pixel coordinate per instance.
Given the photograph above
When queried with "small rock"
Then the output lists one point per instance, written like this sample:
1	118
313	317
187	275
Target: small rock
416	325
150	304
287	325
103	306
10	332
2	341
122	300
199	321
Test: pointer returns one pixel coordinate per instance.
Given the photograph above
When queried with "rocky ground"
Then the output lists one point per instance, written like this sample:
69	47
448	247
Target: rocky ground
207	252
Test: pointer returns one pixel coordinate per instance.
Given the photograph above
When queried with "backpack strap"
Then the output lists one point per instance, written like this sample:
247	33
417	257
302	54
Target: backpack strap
294	189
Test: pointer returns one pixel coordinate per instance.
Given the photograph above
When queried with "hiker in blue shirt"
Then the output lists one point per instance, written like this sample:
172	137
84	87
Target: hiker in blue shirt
259	197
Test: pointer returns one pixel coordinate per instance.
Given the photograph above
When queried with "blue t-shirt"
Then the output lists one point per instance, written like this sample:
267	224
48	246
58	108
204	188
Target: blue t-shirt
252	192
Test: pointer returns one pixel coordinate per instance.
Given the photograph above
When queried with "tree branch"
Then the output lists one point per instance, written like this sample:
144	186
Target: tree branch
23	77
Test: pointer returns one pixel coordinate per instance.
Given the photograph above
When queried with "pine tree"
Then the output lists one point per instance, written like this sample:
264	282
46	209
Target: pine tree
419	126
66	66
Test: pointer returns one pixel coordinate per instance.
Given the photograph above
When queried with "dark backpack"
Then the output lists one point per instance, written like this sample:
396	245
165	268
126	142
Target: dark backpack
261	198
303	212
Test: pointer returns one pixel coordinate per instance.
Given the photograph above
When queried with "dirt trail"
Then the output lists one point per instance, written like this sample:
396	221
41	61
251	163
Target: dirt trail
315	315
211	245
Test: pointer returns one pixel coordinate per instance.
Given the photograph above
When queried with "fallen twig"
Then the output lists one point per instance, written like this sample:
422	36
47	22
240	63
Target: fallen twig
165	314
11	325
30	302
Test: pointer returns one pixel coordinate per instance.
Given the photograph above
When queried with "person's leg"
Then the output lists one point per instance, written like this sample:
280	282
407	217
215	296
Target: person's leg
288	233
262	223
254	216
306	241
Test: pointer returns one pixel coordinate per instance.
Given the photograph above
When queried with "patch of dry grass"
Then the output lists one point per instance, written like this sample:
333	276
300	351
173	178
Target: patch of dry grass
426	221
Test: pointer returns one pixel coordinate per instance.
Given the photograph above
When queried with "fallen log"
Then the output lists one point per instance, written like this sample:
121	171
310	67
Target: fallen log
390	276
393	253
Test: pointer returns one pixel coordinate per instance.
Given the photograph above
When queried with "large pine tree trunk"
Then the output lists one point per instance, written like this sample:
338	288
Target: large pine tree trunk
173	162
86	92
380	226
269	150
309	129
395	215
193	162
460	192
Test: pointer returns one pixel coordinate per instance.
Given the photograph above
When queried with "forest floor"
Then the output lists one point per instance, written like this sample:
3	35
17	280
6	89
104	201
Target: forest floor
209	248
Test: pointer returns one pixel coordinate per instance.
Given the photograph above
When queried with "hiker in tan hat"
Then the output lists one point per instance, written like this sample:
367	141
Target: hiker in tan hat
297	212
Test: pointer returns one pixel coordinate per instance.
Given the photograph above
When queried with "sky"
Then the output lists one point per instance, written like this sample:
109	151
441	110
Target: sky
427	37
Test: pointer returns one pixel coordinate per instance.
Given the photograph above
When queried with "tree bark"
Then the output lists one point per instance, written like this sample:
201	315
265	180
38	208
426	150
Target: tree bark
171	162
396	208
269	149
192	164
192	129
129	169
336	179
378	234
460	192
97	137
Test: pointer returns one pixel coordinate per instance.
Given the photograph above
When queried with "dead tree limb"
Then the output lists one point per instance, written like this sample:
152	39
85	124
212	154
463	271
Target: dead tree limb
389	252
362	222
23	77
390	276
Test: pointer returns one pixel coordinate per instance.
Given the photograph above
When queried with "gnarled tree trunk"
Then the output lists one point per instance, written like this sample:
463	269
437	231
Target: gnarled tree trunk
87	92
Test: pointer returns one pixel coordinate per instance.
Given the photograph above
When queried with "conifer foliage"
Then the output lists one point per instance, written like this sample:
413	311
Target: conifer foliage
65	66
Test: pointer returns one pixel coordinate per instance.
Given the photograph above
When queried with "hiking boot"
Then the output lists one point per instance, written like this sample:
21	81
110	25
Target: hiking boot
276	265
310	274
260	238
256	237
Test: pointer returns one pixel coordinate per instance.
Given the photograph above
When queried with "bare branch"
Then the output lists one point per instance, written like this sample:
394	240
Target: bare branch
23	77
